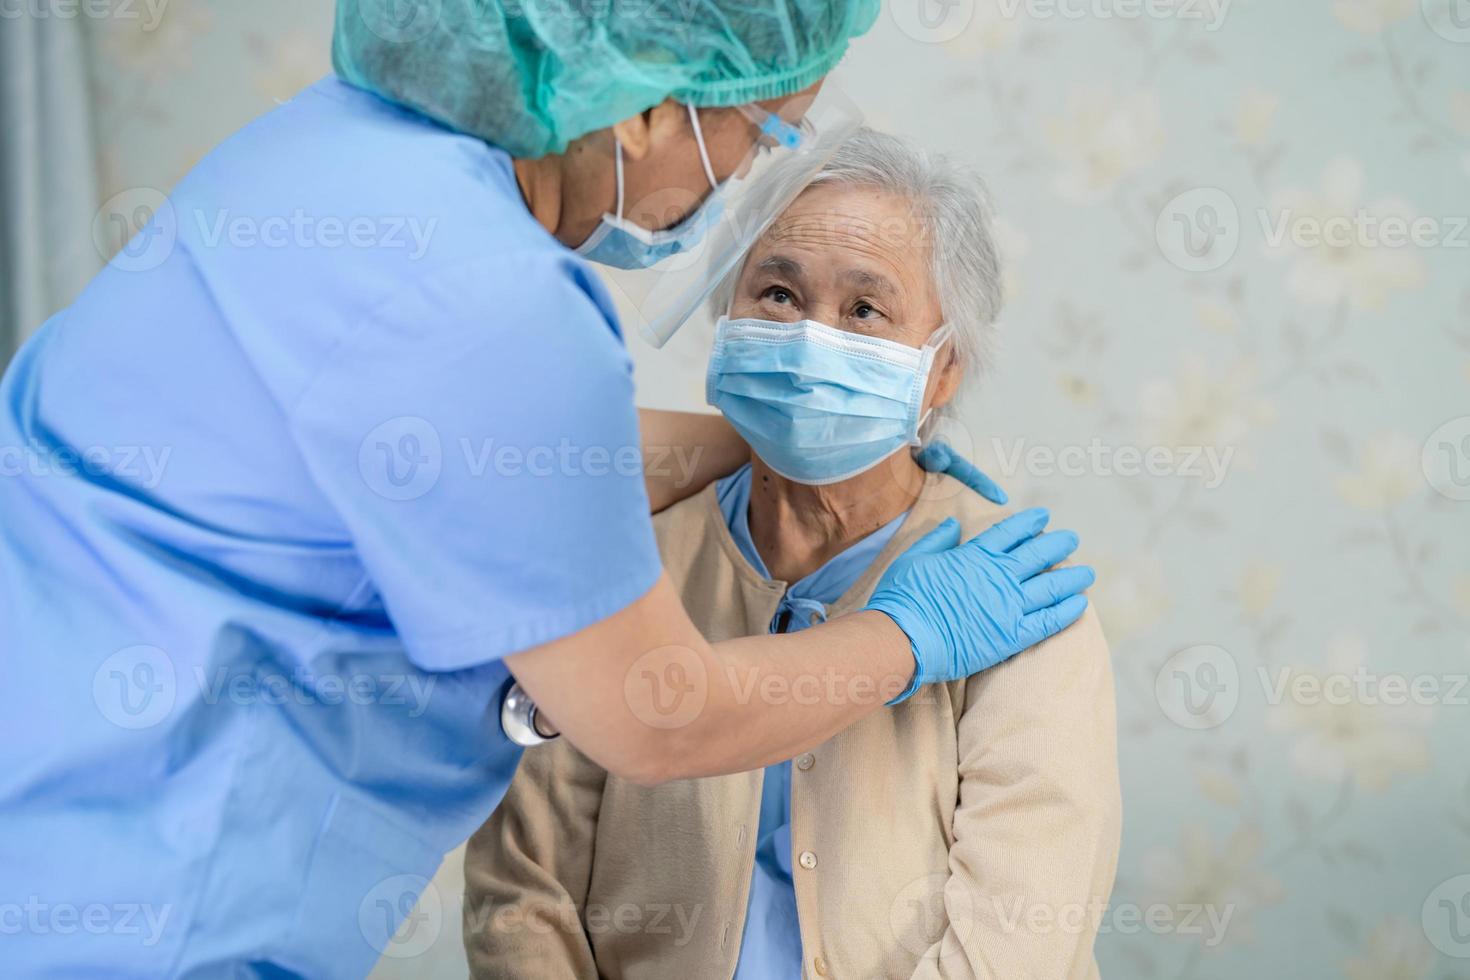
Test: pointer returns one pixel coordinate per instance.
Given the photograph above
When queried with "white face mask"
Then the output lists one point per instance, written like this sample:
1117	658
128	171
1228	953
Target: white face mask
624	244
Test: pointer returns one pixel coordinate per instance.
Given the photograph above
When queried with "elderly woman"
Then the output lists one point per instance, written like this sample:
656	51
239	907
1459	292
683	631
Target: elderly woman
970	832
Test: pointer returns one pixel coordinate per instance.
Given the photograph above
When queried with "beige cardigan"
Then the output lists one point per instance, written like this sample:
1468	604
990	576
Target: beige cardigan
971	831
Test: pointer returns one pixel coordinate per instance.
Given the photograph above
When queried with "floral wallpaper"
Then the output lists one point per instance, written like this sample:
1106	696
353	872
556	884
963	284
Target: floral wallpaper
1236	358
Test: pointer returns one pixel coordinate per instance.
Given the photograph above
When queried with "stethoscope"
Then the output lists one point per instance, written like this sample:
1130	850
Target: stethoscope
518	718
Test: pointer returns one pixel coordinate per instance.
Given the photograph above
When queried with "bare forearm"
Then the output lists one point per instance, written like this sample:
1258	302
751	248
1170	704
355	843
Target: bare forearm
649	699
773	697
684	451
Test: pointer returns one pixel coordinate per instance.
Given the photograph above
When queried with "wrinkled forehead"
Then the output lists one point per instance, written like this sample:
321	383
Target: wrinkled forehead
869	218
854	234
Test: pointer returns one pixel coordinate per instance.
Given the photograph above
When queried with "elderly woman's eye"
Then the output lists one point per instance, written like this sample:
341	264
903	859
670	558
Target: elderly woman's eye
777	294
865	312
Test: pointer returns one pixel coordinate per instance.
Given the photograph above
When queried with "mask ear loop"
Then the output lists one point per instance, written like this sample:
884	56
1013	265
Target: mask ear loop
709	171
618	169
935	344
941	337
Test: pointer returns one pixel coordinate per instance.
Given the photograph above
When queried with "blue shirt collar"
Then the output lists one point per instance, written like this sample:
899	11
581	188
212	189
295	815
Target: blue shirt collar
807	599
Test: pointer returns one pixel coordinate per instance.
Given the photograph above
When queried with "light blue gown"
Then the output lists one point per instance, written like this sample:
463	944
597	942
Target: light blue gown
340	430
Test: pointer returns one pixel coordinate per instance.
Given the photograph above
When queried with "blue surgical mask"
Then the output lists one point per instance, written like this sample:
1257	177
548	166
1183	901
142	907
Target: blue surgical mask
817	404
624	244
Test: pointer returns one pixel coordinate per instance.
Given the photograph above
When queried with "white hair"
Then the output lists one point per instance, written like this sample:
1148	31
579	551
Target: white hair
958	226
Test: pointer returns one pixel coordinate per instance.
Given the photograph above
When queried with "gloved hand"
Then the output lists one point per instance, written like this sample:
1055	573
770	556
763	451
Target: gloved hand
967	607
938	457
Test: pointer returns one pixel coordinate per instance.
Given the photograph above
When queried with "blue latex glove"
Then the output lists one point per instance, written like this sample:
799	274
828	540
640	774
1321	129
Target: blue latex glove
967	607
937	457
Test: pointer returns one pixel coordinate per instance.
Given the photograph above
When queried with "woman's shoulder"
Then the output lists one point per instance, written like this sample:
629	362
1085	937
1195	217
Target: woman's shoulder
688	514
943	497
688	532
1081	643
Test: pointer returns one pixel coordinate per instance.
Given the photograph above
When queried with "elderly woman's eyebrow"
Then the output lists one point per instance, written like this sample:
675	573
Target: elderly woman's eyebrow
869	282
781	265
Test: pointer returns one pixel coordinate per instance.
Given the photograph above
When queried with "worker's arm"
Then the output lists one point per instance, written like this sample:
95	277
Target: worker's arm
649	699
644	695
683	452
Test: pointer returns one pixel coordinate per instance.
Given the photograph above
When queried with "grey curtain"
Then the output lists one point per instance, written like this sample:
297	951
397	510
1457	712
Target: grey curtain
48	171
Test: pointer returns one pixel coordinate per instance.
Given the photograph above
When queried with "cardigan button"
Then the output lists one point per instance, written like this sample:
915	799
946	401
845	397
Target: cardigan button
820	965
805	762
808	860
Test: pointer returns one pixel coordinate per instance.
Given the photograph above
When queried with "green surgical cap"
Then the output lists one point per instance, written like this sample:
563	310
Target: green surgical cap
530	76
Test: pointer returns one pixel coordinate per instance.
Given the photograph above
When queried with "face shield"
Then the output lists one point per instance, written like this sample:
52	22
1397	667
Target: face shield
784	159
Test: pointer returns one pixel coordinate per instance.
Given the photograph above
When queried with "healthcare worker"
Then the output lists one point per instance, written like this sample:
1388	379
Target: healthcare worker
292	491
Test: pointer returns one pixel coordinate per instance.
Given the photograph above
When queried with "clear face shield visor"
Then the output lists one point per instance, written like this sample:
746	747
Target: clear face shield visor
781	163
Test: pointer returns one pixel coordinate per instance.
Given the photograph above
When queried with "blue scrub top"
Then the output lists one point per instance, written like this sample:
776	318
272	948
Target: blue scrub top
339	430
770	946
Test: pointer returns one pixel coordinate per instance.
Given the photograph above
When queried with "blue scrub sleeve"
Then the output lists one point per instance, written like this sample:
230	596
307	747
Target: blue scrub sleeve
479	439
